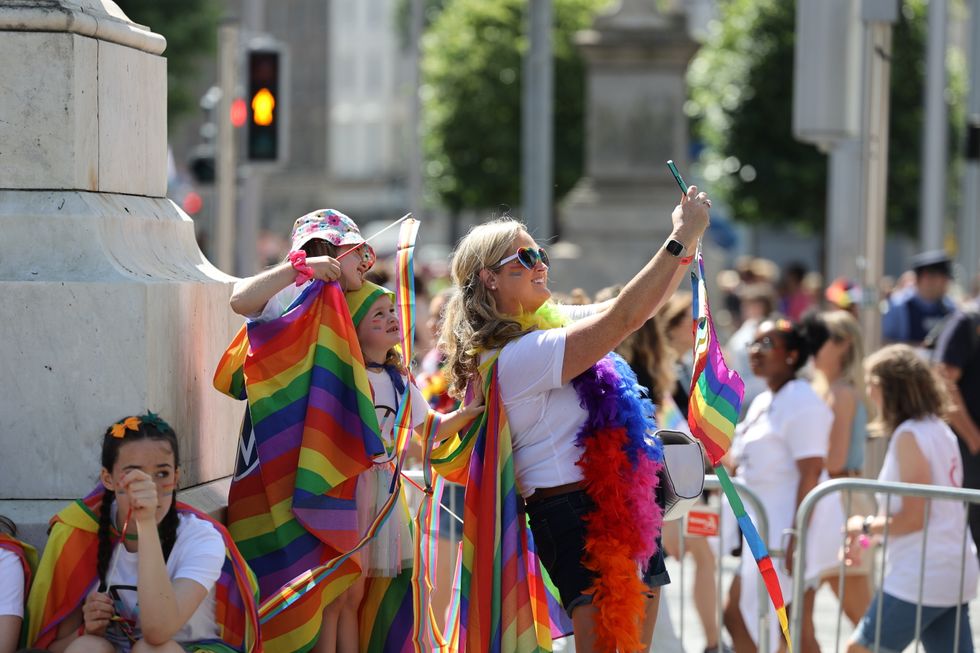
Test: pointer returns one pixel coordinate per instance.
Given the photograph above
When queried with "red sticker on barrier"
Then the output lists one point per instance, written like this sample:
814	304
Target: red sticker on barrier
702	522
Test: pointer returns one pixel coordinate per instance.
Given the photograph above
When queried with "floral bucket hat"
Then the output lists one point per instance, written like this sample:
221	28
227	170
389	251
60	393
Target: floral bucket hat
329	225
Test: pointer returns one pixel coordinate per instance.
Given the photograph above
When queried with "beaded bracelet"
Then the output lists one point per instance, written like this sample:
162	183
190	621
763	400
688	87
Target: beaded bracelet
303	271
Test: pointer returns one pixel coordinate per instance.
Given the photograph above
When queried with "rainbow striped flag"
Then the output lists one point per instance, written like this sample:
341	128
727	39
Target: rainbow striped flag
505	601
716	397
67	573
309	430
716	391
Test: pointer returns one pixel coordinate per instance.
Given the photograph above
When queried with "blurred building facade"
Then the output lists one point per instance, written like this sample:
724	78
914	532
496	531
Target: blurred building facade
345	104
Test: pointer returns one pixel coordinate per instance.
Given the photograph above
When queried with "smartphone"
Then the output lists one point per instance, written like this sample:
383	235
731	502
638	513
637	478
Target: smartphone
677	176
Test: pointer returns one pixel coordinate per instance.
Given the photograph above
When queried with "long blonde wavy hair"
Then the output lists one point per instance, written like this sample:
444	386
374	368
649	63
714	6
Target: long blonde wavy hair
472	323
841	325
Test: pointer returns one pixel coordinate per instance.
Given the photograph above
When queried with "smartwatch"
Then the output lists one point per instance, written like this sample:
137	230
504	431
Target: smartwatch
675	248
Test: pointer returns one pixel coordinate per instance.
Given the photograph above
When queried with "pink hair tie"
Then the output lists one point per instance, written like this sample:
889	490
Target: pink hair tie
303	271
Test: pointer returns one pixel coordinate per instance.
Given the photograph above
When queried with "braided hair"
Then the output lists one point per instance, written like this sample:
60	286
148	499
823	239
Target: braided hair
147	427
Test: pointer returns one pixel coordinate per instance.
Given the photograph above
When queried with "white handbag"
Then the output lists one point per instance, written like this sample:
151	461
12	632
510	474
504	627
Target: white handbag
682	474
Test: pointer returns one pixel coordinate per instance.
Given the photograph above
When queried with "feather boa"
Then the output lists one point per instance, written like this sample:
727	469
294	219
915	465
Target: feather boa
620	462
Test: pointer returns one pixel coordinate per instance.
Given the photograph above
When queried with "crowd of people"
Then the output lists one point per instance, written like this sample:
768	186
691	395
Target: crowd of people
130	568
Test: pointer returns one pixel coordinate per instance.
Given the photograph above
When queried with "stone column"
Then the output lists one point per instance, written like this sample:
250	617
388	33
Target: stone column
109	307
619	213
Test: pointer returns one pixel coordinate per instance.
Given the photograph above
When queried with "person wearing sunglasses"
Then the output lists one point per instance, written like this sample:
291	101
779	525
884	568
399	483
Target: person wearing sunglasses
778	452
500	319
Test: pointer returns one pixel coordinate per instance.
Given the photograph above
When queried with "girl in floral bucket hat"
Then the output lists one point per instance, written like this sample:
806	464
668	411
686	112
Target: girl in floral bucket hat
318	240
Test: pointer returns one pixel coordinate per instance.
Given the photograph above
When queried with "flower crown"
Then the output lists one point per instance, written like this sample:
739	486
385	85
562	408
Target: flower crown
134	422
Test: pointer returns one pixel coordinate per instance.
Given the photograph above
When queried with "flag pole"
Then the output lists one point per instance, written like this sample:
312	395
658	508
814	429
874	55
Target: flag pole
377	233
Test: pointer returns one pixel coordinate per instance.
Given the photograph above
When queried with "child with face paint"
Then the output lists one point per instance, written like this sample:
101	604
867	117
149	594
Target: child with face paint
133	569
378	331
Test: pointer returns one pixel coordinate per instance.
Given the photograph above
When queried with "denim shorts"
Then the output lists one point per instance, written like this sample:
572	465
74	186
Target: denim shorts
898	626
559	536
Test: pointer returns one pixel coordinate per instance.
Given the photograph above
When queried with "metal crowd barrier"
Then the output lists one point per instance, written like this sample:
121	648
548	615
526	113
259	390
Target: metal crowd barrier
752	501
749	498
864	486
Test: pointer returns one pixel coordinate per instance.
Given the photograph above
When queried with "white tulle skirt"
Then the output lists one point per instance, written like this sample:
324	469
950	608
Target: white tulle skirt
391	550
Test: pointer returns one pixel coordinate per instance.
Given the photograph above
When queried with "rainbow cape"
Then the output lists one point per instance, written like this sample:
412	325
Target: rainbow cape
309	430
715	400
67	573
504	601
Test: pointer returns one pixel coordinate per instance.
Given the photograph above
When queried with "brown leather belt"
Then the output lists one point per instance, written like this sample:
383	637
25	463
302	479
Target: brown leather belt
543	493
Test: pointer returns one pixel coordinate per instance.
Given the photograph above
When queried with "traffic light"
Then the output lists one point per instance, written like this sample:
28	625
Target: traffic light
264	105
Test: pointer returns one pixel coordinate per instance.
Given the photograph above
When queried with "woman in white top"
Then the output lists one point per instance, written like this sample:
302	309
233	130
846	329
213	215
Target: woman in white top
778	451
922	450
501	274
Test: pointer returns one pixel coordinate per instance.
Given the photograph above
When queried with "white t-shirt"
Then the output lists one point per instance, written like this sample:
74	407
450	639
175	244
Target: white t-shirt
947	521
198	555
12	582
276	306
544	415
386	404
778	430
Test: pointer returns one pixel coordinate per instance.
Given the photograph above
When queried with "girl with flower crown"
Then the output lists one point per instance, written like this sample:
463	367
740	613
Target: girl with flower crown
577	425
129	568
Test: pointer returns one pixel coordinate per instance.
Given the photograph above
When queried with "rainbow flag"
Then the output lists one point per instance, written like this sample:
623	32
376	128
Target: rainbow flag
309	430
67	573
716	391
716	397
505	602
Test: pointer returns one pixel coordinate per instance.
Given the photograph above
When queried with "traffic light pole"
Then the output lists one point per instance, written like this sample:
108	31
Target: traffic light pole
225	172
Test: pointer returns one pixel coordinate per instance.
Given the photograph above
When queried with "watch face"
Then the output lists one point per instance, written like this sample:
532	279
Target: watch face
674	248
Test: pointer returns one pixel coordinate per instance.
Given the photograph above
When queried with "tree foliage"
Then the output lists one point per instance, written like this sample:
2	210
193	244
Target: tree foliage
741	85
472	95
191	28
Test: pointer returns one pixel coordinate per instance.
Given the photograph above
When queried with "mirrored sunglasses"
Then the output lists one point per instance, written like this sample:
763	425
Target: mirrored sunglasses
528	257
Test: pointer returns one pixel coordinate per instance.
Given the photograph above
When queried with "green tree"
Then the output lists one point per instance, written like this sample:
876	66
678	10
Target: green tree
472	95
190	27
741	86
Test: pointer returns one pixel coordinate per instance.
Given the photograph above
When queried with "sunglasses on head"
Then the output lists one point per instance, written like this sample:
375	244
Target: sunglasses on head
528	257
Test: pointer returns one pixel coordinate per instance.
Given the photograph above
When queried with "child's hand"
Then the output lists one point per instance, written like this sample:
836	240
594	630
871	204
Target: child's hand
142	494
96	613
324	267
